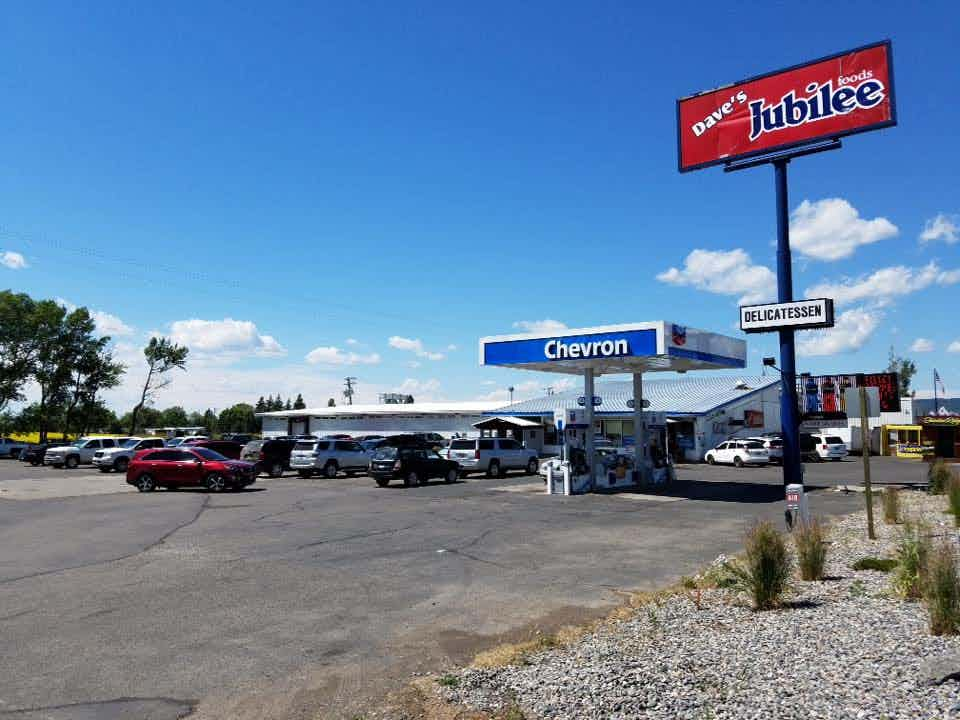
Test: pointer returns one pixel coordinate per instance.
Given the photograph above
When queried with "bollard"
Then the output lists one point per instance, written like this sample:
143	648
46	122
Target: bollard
566	479
549	479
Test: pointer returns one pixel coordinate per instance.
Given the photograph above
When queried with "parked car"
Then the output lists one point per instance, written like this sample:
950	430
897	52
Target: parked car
328	457
119	457
33	454
271	456
188	467
178	441
242	438
739	453
413	465
10	448
829	447
228	448
81	452
773	445
492	456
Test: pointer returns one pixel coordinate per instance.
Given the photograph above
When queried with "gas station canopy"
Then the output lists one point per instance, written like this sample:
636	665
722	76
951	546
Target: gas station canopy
632	348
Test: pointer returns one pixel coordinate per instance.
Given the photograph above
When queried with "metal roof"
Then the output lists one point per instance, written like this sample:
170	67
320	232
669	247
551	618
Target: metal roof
514	421
470	407
674	396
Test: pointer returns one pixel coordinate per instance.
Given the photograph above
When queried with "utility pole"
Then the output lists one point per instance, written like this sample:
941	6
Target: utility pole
348	391
865	451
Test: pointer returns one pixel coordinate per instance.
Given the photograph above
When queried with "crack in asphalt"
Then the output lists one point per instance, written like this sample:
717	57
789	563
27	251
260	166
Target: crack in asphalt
358	536
163	538
188	706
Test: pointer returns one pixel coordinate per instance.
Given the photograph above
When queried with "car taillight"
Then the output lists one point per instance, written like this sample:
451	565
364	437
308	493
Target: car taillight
476	454
262	455
825	447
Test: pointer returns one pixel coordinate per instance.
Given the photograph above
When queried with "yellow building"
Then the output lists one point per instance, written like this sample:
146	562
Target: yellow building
903	441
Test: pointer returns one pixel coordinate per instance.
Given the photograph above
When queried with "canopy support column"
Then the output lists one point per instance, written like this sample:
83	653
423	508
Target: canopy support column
588	418
639	430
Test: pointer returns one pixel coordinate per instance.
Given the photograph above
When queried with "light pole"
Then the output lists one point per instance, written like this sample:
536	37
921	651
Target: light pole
510	390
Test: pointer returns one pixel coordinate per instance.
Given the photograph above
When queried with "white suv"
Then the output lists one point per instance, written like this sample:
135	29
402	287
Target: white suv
119	457
310	457
492	456
829	447
739	453
81	452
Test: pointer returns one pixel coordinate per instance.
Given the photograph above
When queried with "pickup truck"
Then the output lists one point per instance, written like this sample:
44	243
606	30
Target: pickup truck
11	448
493	456
80	452
118	458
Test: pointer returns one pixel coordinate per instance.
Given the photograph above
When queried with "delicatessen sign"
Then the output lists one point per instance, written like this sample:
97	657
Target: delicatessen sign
815	313
840	95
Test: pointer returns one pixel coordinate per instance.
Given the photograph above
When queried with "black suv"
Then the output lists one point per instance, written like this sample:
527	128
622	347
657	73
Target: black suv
271	456
34	454
413	465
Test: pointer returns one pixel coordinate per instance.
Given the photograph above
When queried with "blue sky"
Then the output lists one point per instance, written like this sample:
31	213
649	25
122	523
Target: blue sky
435	172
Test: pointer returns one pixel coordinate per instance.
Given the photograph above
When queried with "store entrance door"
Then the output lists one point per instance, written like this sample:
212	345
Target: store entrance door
943	446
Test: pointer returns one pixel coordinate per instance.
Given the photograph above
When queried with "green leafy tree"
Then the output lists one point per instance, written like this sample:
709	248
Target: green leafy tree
174	416
299	404
238	418
17	344
331	403
261	405
162	355
289	405
209	421
93	371
905	369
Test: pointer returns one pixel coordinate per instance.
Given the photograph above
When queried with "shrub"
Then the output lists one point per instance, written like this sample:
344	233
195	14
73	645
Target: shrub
913	548
450	681
891	506
765	572
953	496
938	477
873	563
811	549
941	591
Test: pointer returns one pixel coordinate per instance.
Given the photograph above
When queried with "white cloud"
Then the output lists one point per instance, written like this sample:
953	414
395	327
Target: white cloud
13	260
922	345
884	284
942	227
227	338
335	356
451	347
852	330
415	346
526	389
540	326
106	324
725	272
954	347
352	341
832	229
422	390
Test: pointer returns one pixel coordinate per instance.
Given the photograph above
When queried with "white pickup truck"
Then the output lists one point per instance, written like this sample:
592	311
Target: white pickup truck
11	448
119	457
80	452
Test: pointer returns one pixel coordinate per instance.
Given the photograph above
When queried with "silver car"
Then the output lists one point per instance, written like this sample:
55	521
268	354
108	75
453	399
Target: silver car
82	451
313	457
493	456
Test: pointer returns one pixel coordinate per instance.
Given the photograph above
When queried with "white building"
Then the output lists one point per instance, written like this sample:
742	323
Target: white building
445	418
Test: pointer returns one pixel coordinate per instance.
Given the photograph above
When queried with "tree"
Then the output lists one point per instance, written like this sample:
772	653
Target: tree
905	369
408	400
288	406
238	418
174	416
331	403
162	355
299	404
17	344
94	370
261	405
210	421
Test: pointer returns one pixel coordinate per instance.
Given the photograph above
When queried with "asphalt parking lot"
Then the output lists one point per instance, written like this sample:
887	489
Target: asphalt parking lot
308	598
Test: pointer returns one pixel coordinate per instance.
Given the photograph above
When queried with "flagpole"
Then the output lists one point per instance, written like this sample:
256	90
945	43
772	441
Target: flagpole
935	402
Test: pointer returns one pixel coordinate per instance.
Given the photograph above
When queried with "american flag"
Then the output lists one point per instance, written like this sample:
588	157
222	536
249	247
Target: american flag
936	379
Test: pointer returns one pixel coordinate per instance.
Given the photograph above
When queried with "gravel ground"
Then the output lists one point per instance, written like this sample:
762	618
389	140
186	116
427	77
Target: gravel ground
845	648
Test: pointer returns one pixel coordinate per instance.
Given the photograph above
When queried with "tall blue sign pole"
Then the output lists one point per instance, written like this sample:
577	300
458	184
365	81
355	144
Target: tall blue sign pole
789	422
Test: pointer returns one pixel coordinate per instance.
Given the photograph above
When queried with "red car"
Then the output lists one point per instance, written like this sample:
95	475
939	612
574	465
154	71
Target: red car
188	467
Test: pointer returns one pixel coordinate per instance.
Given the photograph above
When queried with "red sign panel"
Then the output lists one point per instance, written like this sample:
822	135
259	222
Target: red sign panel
840	95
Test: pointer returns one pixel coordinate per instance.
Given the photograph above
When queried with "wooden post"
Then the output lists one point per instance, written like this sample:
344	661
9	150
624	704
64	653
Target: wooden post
865	451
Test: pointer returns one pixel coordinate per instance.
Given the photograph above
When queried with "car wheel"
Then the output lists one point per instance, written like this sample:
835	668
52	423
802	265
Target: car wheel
35	463
532	467
412	479
710	460
146	483
304	473
121	465
215	482
494	469
276	470
72	462
452	475
738	461
104	469
330	470
383	482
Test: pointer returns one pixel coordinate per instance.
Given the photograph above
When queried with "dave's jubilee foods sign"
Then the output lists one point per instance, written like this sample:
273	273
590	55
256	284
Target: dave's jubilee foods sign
839	95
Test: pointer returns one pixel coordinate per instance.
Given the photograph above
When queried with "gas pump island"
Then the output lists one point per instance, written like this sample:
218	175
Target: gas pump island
635	348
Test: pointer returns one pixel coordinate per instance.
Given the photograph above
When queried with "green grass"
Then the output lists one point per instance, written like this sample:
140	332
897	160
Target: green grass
941	591
764	574
450	681
810	541
873	563
938	478
913	549
953	498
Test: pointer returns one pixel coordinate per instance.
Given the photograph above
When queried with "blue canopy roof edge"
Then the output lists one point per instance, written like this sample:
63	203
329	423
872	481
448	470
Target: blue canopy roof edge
635	347
671	396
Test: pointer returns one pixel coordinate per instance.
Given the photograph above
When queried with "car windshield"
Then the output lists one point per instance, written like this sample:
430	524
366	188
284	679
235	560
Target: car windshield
462	444
208	454
132	442
304	445
834	440
385	453
754	446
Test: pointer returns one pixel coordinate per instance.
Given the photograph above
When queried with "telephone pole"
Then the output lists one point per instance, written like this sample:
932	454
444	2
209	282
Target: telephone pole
348	391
